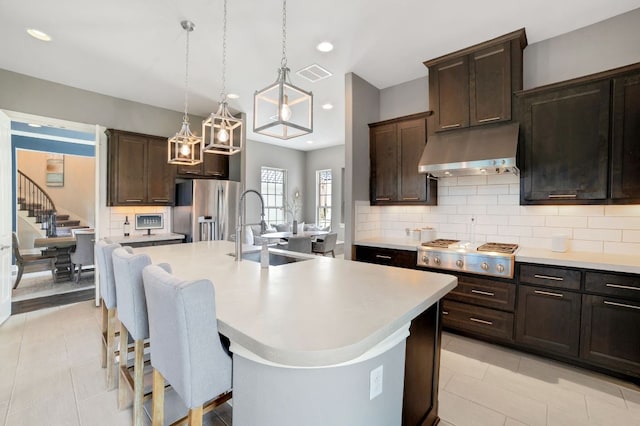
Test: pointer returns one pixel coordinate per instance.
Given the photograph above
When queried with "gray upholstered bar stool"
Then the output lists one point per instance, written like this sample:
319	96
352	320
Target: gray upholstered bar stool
132	313
107	284
185	346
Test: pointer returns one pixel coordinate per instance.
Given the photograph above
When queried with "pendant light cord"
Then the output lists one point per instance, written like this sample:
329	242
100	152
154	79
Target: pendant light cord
188	28
283	62
223	94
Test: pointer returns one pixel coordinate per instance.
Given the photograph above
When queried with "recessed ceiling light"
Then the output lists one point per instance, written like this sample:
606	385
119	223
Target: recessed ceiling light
232	96
40	35
309	142
327	106
325	46
34	125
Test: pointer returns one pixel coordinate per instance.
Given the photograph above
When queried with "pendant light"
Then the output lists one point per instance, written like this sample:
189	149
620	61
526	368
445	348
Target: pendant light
185	147
283	110
222	132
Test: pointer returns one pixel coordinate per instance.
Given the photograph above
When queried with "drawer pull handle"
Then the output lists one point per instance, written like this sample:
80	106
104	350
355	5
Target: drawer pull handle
481	321
382	198
445	312
484	293
624	287
622	305
562	195
381	256
451	126
161	200
548	293
484	120
547	277
132	201
410	198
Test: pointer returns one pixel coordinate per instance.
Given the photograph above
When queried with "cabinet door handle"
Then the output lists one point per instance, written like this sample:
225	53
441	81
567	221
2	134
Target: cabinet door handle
189	172
622	305
410	198
381	256
134	201
484	120
451	126
547	277
445	312
548	293
562	195
160	200
484	293
481	321
382	198
624	287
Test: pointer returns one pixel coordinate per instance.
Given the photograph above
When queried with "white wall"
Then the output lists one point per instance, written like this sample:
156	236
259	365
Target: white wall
495	199
321	159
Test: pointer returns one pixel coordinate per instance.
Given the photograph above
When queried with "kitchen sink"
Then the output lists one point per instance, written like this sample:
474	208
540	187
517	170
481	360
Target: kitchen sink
275	259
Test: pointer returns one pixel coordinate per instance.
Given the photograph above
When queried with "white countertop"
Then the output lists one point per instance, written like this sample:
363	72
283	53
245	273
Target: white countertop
318	312
141	238
588	260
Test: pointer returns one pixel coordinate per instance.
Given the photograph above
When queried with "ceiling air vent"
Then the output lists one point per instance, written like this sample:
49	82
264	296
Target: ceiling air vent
314	73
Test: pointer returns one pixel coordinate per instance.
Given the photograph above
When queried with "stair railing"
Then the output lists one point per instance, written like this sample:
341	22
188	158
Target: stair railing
37	202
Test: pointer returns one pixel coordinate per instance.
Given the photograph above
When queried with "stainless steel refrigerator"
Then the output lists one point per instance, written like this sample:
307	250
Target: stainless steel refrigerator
206	209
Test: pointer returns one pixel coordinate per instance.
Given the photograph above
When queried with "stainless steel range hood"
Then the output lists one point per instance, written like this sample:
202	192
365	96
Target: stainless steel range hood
475	151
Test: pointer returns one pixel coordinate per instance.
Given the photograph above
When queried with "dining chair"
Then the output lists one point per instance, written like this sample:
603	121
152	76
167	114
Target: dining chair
82	255
31	261
132	313
107	285
325	244
299	244
186	349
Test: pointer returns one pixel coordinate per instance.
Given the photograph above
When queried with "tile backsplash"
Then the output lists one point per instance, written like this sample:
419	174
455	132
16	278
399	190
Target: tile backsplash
116	217
493	202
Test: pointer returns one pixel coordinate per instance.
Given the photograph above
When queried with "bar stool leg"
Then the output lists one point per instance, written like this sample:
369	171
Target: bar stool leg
122	382
105	318
195	416
138	382
111	349
158	398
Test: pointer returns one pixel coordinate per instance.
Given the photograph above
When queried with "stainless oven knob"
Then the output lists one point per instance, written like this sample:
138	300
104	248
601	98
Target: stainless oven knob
484	266
500	268
436	260
425	259
459	263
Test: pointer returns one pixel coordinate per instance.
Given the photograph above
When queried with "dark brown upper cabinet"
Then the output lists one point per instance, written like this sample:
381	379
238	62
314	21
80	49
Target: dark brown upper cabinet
395	147
625	141
213	166
579	140
474	86
138	172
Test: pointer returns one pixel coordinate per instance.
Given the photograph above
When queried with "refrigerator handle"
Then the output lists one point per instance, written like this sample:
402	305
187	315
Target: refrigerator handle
221	208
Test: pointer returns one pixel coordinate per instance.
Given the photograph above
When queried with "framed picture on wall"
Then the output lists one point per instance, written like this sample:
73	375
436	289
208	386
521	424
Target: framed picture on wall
55	170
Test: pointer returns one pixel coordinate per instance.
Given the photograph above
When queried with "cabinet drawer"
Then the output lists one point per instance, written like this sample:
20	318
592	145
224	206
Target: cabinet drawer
483	292
623	286
478	320
550	276
384	256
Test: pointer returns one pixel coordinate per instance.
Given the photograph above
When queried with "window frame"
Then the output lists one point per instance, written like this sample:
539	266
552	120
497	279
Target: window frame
328	197
273	213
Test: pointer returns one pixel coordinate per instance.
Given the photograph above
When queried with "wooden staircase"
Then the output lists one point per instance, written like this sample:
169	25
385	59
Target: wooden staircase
38	205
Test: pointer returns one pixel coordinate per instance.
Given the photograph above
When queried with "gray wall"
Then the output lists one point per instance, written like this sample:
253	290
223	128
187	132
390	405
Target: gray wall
362	106
322	159
261	154
405	99
608	44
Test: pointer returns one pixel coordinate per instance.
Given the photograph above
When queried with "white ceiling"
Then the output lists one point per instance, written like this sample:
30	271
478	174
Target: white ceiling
135	49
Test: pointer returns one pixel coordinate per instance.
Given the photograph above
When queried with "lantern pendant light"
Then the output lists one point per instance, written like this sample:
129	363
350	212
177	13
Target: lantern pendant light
283	110
222	132
185	147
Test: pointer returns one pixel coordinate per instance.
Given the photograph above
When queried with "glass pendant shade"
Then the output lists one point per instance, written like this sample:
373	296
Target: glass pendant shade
283	110
222	132
185	147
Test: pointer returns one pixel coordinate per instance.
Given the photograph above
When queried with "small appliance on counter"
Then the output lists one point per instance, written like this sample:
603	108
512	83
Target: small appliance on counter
149	221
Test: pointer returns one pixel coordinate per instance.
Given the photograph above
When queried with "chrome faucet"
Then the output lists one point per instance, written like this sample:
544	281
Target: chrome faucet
239	228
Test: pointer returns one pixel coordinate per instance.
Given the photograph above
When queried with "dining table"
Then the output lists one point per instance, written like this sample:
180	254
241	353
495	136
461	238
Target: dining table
60	247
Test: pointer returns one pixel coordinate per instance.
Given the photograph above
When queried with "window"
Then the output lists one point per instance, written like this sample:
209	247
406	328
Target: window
323	198
272	189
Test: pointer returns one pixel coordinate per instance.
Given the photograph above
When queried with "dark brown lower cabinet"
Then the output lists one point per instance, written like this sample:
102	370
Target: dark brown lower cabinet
475	319
422	366
385	256
611	333
548	319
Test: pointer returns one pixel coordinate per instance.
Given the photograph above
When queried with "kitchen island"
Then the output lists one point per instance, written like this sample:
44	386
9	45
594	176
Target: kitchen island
309	337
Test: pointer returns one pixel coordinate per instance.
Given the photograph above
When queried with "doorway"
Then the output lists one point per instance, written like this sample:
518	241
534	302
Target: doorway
59	159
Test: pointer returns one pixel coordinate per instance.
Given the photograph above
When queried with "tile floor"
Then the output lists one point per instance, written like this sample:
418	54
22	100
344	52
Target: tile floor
50	374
